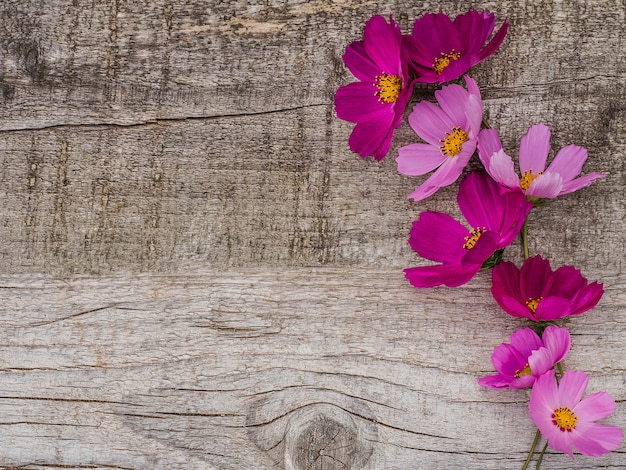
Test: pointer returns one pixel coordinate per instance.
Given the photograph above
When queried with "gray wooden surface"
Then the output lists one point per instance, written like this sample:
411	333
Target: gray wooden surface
196	273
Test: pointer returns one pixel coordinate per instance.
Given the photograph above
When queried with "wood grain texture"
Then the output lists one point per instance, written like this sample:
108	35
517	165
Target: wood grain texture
196	273
215	370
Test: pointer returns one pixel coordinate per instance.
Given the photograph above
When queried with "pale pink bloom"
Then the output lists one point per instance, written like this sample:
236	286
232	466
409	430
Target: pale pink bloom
537	181
565	420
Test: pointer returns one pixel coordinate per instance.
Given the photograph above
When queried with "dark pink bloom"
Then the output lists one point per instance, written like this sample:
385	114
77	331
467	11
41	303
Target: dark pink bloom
450	131
495	216
565	420
540	294
375	103
527	357
441	50
537	181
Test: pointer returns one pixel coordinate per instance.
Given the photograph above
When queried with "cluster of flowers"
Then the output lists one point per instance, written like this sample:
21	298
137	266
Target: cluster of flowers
495	204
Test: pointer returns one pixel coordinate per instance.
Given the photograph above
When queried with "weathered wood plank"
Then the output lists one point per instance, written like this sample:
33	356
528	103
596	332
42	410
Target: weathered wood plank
195	272
241	369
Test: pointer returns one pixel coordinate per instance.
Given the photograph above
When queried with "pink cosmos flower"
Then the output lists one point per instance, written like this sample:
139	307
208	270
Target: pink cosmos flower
441	50
540	294
566	421
537	182
375	103
495	214
527	357
450	131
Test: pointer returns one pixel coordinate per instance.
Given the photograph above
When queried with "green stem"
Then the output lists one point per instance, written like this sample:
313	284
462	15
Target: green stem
532	450
525	240
539	460
486	124
559	368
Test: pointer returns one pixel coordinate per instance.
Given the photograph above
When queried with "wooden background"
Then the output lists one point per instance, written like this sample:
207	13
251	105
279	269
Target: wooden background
197	273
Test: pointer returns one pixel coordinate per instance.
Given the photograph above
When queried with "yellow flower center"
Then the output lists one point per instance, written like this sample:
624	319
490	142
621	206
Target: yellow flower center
389	87
453	143
444	60
525	371
527	178
564	418
532	304
470	240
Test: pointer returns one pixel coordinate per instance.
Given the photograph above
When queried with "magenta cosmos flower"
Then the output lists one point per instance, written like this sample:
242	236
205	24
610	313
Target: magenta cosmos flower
540	294
495	216
527	357
441	50
450	131
566	421
537	181
375	103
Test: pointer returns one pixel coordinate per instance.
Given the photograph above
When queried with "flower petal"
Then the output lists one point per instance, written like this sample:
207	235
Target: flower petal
446	174
540	361
419	159
474	29
594	439
596	406
488	144
451	275
453	100
557	341
525	340
571	387
587	298
430	122
495	42
359	63
480	202
534	275
502	170
438	237
568	162
582	182
373	137
382	42
494	381
552	308
546	186
356	102
534	149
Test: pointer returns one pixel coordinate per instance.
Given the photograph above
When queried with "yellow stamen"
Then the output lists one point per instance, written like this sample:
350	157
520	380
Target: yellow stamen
389	87
453	143
527	178
525	371
532	304
442	62
470	241
564	418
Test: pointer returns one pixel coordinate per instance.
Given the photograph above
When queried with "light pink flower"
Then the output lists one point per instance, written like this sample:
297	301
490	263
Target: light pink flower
450	131
527	357
565	420
537	181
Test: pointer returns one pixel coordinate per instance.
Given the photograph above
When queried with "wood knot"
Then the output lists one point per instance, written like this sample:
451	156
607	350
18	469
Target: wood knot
324	437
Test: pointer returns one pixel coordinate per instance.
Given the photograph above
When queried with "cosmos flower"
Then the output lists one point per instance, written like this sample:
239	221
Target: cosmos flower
441	50
536	181
527	357
496	216
450	131
565	420
376	102
540	294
